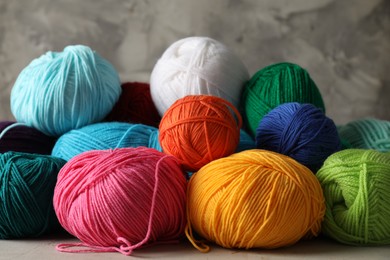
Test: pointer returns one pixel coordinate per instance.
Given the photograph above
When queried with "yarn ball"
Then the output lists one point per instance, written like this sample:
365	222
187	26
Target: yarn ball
20	138
301	131
197	66
356	188
122	199
61	91
199	129
103	136
254	199
27	184
135	105
246	142
274	85
366	133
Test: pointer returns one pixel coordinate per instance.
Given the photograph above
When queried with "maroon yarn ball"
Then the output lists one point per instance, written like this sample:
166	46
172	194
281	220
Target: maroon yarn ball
135	105
24	139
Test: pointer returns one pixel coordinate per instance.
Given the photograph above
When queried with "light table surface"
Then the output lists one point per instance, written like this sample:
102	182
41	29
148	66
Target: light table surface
320	248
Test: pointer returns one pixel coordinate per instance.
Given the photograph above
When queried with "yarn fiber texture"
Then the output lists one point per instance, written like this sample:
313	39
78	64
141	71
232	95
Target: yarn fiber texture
367	133
61	91
120	200
199	129
197	66
356	188
27	184
254	199
246	142
301	131
20	138
135	105
103	136
274	85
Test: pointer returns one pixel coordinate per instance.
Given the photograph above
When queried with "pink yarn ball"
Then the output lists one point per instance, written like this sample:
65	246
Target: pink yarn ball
120	200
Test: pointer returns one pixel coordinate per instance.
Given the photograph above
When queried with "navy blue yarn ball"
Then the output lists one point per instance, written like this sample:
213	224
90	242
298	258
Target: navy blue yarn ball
301	131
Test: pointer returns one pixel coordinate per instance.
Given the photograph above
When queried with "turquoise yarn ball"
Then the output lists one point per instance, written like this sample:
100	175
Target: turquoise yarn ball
366	133
103	136
61	91
27	183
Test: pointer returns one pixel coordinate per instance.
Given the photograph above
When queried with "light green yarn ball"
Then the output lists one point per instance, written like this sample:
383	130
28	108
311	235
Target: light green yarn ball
356	185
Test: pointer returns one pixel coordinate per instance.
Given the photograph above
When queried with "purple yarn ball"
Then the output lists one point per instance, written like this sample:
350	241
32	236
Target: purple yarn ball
24	139
301	131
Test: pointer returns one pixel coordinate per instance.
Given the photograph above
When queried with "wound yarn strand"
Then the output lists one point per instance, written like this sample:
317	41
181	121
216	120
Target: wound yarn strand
129	248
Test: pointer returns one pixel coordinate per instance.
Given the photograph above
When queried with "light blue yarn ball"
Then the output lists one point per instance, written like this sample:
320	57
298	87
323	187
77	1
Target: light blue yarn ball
103	136
61	91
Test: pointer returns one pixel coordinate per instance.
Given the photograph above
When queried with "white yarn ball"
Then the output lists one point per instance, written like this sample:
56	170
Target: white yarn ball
197	66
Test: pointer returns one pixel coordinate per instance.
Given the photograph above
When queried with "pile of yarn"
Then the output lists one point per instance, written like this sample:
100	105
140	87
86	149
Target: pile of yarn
121	153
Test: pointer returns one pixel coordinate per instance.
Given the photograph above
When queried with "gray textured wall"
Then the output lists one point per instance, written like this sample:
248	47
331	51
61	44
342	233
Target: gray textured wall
344	44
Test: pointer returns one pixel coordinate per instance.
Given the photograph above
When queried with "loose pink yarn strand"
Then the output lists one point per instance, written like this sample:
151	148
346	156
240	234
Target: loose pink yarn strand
128	249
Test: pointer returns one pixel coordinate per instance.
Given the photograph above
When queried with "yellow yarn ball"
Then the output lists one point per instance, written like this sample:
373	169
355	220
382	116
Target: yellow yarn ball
254	199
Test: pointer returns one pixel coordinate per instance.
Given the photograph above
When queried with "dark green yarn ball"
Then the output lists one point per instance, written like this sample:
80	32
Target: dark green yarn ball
274	85
27	183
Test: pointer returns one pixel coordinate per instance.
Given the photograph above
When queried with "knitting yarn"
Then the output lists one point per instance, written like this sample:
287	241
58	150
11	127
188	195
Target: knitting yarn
246	142
301	131
197	66
366	133
20	138
254	199
199	129
26	193
135	105
120	200
274	85
102	136
61	91
356	188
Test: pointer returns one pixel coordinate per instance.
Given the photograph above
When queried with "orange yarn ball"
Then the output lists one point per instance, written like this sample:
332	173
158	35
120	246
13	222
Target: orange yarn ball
199	129
254	199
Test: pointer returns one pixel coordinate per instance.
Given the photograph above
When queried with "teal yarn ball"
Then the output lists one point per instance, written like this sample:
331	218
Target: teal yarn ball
61	91
356	186
246	142
274	85
367	133
103	136
27	183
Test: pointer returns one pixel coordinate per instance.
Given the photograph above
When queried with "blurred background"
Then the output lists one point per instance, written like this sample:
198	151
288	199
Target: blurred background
344	45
